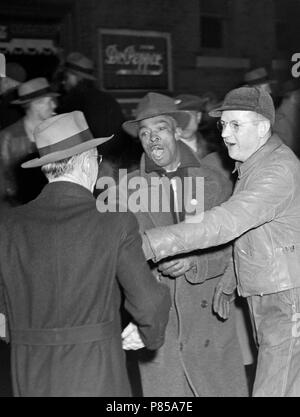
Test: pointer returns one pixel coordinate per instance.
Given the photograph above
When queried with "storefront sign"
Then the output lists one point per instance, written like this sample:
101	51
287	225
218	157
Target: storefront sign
135	60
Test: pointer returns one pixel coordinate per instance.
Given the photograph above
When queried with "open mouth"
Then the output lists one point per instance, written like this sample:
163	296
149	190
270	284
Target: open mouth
157	152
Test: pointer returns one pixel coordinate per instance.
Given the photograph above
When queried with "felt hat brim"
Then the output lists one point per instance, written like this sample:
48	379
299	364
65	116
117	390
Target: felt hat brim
81	73
182	117
218	111
24	101
57	156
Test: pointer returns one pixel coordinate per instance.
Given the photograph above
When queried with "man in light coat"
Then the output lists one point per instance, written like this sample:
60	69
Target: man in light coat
263	219
59	259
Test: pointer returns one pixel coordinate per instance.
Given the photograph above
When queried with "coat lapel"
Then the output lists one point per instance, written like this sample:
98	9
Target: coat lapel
152	213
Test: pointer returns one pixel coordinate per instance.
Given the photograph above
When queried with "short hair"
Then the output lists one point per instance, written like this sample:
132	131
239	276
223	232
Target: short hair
63	166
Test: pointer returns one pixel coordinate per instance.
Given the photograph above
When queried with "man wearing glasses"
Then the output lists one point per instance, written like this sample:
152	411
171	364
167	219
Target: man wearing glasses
262	218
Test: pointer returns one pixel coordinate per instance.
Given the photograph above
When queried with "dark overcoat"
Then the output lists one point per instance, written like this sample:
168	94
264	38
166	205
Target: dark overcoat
201	355
59	258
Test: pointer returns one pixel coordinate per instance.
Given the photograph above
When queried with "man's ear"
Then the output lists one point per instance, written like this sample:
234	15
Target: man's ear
263	128
85	164
178	133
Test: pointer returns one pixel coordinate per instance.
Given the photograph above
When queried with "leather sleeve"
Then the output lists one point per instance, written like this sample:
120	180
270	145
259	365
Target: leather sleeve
266	195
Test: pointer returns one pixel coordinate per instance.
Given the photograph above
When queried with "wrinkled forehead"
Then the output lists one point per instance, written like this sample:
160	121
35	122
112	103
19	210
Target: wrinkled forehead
154	121
238	115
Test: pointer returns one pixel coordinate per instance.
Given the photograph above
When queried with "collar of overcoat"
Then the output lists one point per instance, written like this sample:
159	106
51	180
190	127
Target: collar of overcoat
148	171
258	157
65	189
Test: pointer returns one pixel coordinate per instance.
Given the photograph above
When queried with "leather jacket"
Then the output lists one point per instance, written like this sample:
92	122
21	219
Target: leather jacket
262	217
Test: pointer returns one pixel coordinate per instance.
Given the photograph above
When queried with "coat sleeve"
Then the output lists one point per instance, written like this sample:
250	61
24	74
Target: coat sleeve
269	192
147	300
211	263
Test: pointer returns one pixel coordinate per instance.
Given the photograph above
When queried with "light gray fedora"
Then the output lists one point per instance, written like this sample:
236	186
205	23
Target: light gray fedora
62	136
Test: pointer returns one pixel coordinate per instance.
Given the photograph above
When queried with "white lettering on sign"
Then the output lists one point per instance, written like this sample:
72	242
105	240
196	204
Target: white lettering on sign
296	67
141	63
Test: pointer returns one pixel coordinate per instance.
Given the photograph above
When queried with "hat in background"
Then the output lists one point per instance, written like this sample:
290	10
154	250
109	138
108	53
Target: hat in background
190	102
34	89
257	76
80	65
62	136
16	72
152	105
249	99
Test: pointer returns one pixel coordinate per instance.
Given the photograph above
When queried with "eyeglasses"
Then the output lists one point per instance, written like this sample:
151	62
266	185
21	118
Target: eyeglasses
233	124
99	158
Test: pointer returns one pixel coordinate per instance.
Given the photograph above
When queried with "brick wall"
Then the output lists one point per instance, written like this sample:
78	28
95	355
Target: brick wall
251	30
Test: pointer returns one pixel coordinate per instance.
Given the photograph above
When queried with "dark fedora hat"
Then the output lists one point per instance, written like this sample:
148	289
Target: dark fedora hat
191	102
62	136
80	65
257	76
34	89
152	105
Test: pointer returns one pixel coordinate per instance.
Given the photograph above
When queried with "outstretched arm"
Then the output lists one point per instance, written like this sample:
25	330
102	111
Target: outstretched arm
269	193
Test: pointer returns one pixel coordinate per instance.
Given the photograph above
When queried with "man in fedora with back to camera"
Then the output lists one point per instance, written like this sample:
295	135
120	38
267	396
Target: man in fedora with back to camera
59	259
17	142
263	219
201	355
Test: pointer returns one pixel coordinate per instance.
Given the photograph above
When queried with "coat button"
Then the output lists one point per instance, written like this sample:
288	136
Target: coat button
204	304
206	343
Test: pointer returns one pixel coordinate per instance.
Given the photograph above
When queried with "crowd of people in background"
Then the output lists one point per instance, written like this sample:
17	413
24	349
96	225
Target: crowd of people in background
205	350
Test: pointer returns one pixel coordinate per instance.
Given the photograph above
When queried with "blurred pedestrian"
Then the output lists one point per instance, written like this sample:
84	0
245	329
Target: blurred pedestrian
102	112
208	147
258	77
17	142
10	113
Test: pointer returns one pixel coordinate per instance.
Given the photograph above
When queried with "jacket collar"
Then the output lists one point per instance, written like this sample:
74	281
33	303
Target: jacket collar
66	188
187	157
273	143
